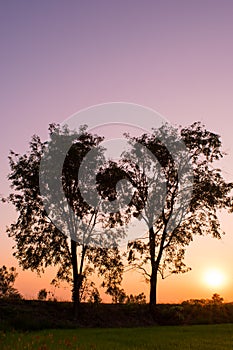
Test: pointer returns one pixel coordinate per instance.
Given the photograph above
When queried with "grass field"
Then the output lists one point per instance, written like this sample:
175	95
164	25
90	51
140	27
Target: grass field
203	337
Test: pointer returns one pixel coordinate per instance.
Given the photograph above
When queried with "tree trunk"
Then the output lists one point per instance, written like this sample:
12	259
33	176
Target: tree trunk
153	285
75	291
154	268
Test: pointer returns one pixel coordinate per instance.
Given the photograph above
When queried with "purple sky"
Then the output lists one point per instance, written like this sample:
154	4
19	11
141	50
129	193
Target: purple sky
60	56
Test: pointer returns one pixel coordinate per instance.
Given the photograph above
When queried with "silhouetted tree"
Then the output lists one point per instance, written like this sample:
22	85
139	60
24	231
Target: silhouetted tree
42	294
217	299
7	280
180	217
136	299
40	243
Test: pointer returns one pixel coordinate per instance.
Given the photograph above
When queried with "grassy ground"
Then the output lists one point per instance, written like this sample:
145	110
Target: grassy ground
203	337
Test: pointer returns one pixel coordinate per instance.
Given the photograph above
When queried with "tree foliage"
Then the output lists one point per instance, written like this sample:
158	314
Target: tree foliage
7	280
173	208
162	249
40	243
42	294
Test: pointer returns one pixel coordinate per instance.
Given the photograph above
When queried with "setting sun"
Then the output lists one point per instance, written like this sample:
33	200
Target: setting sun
214	278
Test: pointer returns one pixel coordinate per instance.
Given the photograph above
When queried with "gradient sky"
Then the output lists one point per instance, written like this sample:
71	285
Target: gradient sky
175	56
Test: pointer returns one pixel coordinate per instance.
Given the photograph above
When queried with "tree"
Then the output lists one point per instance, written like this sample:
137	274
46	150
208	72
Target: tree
7	280
62	238
42	294
217	299
172	220
136	299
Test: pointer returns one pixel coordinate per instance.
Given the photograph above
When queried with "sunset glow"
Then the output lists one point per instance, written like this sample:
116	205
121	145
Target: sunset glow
173	57
214	278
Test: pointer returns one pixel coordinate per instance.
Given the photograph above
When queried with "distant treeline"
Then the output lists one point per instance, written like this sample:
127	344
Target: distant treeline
20	314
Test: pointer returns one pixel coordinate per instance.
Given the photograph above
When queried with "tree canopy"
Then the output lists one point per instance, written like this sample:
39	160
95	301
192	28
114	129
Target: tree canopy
179	190
52	229
174	185
7	280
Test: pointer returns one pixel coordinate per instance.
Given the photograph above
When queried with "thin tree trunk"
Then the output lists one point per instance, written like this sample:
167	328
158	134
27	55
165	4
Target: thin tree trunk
75	292
153	285
154	268
80	276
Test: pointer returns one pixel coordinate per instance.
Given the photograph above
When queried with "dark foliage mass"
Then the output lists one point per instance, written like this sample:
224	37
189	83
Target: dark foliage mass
162	246
20	315
39	243
162	250
7	280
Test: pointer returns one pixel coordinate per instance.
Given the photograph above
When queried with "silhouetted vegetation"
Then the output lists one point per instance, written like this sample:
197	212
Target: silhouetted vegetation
195	191
20	314
7	280
39	242
72	244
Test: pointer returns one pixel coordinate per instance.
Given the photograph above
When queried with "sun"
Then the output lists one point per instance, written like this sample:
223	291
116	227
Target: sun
214	278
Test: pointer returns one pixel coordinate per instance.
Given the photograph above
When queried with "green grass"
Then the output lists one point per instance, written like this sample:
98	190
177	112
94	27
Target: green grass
203	337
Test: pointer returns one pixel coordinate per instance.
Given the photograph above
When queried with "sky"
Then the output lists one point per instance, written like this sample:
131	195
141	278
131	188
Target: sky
175	56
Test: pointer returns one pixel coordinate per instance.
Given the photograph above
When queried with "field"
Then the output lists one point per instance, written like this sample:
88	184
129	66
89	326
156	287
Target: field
203	337
39	325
